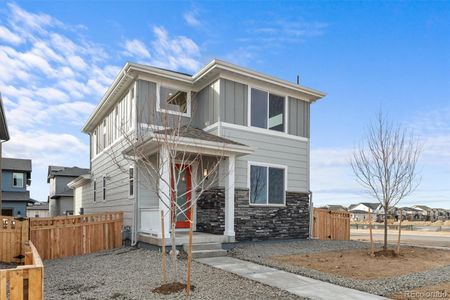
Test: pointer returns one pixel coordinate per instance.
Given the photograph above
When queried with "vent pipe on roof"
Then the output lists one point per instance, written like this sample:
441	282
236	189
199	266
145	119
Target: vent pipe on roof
298	79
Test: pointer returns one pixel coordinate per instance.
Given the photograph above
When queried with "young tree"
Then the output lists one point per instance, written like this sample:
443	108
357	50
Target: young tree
158	149
385	164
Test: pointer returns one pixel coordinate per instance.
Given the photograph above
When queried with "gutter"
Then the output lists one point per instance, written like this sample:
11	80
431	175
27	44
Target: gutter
311	215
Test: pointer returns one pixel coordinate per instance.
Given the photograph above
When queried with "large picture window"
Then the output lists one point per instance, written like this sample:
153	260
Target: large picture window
267	110
267	185
174	100
18	180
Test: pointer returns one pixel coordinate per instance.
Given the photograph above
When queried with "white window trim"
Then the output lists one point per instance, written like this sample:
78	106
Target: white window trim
249	107
168	111
268	165
23	180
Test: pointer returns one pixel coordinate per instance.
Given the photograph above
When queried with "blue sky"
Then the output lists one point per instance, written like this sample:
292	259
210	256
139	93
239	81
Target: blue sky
57	58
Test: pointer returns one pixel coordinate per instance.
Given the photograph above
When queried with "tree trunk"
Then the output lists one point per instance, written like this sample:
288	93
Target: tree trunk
385	227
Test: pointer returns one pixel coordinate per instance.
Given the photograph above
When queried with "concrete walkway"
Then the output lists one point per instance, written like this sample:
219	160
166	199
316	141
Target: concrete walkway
293	283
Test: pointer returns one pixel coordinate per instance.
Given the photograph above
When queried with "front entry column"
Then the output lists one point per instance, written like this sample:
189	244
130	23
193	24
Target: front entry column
229	196
164	192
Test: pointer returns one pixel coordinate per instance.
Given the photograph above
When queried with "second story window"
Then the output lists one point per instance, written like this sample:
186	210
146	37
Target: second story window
173	100
267	110
104	134
18	180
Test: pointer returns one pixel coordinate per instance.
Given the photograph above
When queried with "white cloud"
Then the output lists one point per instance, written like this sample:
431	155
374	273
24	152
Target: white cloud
177	52
52	76
191	19
8	36
136	48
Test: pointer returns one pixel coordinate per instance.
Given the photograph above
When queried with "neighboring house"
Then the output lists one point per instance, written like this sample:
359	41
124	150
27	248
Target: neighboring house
426	213
360	211
260	123
4	136
60	197
38	210
16	176
78	185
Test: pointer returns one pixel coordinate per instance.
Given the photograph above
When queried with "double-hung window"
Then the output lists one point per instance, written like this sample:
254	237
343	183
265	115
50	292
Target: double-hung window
173	100
267	184
18	180
267	110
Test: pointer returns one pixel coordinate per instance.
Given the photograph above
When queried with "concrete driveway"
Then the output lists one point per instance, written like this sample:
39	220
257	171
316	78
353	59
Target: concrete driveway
413	238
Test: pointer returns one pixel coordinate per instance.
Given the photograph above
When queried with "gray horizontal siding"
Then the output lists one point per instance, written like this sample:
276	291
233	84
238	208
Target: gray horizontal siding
205	106
275	150
299	117
116	184
233	102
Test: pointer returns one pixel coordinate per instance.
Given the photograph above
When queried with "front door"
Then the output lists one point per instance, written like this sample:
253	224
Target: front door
182	180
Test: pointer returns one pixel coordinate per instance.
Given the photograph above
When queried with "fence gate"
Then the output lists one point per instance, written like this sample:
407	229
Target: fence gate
331	225
12	234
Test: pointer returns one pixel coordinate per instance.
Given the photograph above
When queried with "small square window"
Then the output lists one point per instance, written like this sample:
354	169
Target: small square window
173	100
18	180
267	185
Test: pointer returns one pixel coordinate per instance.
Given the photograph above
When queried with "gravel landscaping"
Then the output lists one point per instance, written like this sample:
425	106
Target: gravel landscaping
130	273
262	253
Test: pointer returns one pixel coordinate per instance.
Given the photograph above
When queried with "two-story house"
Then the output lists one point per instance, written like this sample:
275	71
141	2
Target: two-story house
4	136
60	199
259	124
16	176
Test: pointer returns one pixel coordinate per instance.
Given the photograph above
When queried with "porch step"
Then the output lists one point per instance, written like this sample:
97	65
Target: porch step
202	250
202	246
209	253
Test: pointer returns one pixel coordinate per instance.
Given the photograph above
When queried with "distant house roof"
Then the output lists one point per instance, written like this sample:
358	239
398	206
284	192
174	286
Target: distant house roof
372	206
422	207
17	196
65	171
38	206
79	181
16	164
408	209
334	207
195	133
4	133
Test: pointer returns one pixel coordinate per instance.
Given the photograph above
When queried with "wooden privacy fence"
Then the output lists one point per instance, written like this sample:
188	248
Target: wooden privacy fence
24	282
331	225
63	236
13	233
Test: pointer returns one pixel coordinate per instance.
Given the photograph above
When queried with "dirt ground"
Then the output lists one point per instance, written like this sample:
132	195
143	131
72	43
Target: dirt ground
359	264
434	292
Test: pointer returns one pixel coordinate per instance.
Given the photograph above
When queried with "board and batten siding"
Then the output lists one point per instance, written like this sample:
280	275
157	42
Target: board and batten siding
271	149
146	107
205	106
117	192
233	102
299	117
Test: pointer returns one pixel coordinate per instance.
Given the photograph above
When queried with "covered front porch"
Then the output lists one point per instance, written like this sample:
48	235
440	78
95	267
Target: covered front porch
154	222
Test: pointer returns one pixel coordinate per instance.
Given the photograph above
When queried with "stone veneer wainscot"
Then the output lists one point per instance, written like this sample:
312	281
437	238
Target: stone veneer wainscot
255	222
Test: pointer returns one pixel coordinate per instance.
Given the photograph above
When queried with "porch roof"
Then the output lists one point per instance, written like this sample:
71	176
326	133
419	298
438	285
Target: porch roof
191	139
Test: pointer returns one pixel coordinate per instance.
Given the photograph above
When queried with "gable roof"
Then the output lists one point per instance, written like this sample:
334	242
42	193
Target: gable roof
65	171
209	72
4	133
16	164
371	205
